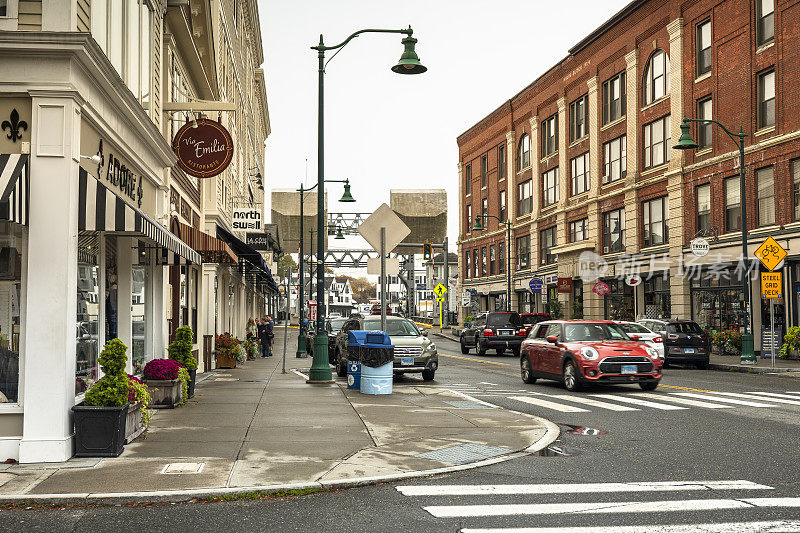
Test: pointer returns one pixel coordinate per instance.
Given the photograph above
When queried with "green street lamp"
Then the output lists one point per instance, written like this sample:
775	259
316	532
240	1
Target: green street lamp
409	64
685	142
479	227
346	197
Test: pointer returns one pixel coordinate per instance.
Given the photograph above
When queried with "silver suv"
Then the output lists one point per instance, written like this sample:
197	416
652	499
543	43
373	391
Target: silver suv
414	352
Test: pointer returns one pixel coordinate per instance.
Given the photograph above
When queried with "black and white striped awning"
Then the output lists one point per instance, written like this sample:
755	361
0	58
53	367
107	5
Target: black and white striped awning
14	188
100	209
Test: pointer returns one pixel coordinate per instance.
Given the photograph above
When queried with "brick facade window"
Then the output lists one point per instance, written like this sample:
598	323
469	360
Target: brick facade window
468	179
501	162
765	194
485	211
524	152
579	174
733	206
469	220
703	207
704	130
523	252
483	261
614	98
466	265
765	21
766	99
501	258
704	47
547	241
550	135
656	77
614	231
578	230
475	266
550	187
484	170
492	259
502	212
524	198
579	118
657	147
655	216
795	169
615	159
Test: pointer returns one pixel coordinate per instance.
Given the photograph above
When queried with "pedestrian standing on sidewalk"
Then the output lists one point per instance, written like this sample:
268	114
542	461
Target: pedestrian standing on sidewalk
262	337
270	332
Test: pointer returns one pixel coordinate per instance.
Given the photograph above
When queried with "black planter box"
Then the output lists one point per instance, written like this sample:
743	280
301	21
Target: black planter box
192	381
99	431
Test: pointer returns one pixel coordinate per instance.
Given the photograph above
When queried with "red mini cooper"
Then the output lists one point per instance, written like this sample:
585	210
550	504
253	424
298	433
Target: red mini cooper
581	352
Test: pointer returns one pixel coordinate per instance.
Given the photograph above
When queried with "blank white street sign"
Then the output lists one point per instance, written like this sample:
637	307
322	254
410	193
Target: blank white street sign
392	266
384	217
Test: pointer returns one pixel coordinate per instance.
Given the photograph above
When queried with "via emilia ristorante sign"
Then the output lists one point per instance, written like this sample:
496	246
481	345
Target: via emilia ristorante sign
204	148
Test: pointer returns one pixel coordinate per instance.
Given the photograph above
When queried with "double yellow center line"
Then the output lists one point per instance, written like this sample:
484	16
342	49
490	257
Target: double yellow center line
475	360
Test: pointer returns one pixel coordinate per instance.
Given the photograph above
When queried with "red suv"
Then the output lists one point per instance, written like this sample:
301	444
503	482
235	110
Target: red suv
581	352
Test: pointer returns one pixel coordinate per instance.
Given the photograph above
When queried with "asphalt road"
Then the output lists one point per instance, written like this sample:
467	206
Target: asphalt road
699	426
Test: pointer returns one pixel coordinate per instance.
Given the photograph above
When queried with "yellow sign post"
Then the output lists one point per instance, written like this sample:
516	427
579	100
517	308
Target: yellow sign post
440	301
771	285
770	253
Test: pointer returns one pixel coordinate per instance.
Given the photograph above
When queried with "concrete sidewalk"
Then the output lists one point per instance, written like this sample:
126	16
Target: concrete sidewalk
254	428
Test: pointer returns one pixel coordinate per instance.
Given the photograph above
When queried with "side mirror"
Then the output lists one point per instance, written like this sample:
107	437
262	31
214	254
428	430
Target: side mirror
553	339
634	337
425	333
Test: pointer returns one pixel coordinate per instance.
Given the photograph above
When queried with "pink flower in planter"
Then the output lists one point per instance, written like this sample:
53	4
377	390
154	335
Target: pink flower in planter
161	369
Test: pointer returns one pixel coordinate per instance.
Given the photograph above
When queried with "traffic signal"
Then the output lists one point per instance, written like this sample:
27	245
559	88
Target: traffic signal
427	251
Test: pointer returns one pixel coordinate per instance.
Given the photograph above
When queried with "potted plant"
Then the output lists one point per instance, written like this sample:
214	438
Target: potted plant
100	419
733	342
180	350
225	349
138	417
791	344
717	341
162	378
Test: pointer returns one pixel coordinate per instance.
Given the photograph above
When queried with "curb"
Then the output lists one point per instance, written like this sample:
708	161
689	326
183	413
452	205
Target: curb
750	369
174	496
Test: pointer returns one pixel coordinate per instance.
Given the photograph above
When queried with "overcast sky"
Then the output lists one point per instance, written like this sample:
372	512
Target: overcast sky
384	130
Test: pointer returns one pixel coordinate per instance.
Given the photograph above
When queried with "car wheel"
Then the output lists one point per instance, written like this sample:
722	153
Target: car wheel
341	370
649	385
571	381
428	374
703	365
525	370
481	349
464	347
501	351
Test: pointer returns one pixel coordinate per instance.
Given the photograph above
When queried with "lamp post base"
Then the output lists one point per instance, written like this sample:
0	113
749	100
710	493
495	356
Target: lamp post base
320	368
301	344
748	354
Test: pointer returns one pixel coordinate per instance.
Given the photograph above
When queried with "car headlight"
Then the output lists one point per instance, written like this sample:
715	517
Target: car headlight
587	352
652	352
431	347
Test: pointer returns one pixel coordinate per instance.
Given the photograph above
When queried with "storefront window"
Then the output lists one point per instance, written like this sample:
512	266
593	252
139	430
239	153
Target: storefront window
139	317
619	302
12	244
717	300
656	296
577	298
111	288
88	317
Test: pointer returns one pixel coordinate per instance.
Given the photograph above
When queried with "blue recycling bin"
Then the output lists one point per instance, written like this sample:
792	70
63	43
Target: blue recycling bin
377	363
354	375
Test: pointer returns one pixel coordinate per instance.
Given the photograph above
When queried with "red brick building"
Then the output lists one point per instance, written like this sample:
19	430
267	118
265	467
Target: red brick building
581	160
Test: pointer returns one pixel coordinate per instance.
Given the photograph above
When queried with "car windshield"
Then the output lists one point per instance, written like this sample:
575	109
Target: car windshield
684	327
394	328
594	332
634	328
503	319
336	324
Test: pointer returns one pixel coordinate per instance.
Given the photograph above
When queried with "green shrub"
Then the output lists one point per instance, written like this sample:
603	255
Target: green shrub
112	390
183	375
180	349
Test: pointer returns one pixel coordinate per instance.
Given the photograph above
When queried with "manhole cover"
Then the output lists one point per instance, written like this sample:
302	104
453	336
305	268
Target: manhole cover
465	453
183	468
467	404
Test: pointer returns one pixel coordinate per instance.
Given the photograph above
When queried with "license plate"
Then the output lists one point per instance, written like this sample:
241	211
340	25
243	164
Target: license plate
505	332
629	369
406	361
689	350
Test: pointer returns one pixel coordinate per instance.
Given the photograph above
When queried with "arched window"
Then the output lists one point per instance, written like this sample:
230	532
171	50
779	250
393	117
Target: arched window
524	152
656	77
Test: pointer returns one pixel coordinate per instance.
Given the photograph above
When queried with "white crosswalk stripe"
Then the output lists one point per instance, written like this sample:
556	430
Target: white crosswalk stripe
724	400
593	403
773	395
774	526
637	401
550	405
683	401
756	397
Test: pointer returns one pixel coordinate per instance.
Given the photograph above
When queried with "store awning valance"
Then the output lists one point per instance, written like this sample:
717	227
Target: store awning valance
14	188
100	209
211	249
258	267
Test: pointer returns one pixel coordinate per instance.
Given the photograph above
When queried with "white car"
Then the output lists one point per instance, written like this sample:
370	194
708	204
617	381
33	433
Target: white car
648	337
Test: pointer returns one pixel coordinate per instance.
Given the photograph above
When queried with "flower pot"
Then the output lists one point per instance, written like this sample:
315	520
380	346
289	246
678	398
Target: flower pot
794	354
225	360
166	394
99	431
716	349
192	381
134	423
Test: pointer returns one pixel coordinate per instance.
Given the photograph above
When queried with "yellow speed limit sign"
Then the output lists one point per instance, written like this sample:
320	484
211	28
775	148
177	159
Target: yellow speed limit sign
771	285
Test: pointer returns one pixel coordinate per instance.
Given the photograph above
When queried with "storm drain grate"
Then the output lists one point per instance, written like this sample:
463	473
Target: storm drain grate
468	404
465	453
183	468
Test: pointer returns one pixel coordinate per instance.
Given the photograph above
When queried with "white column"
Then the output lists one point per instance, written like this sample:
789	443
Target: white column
160	306
52	280
632	221
125	258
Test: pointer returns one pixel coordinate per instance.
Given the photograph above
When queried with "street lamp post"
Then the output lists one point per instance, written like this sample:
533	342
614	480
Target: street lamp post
346	197
685	142
479	227
409	64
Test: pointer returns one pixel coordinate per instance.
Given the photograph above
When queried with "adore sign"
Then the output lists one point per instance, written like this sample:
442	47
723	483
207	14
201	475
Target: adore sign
203	151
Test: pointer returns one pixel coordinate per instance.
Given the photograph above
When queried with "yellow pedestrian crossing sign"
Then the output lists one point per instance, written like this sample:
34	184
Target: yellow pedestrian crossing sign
770	253
440	289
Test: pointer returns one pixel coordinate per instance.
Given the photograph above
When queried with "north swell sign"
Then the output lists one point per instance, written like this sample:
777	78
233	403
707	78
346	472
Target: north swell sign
204	150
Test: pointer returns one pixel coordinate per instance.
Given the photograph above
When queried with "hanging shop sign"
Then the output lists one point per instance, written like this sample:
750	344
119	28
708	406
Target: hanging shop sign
565	285
700	247
258	241
122	178
204	148
633	280
536	285
601	288
246	219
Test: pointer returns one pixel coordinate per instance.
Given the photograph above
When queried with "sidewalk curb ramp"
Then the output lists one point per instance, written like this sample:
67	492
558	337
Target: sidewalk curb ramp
184	495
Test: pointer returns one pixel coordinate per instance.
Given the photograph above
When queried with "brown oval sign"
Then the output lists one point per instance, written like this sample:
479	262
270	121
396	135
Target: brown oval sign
203	151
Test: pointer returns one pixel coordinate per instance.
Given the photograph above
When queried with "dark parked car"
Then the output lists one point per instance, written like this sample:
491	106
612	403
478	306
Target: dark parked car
685	342
496	330
531	319
334	326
